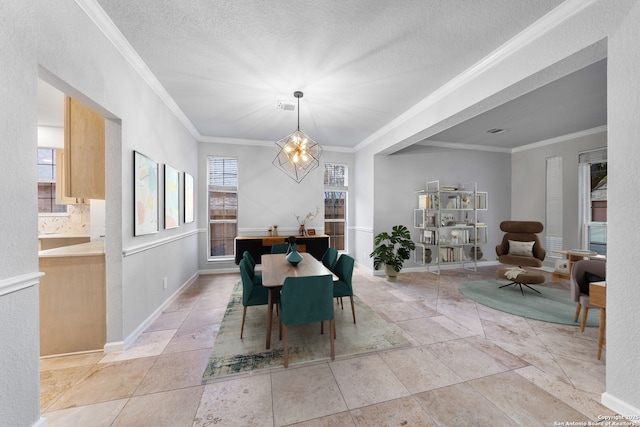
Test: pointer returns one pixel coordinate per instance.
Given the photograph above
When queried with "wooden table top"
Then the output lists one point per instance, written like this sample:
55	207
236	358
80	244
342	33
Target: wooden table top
276	268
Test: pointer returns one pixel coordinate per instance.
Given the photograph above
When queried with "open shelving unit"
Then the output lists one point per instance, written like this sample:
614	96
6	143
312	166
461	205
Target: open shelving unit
449	230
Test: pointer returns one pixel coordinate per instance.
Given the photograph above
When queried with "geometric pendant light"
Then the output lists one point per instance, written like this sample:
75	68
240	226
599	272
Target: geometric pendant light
297	154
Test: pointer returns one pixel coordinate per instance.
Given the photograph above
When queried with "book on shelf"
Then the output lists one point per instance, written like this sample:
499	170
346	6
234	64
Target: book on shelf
423	201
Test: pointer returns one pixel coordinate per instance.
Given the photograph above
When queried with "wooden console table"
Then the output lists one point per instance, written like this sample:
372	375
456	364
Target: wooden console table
259	245
572	257
598	297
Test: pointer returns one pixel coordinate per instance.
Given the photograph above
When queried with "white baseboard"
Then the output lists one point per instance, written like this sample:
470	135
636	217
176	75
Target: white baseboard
113	347
221	270
621	407
419	269
42	422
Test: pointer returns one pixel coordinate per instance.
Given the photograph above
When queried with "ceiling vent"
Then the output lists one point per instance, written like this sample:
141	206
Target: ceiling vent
287	106
495	131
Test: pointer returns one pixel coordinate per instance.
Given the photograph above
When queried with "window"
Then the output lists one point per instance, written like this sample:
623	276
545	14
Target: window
47	182
335	205
592	184
223	205
553	237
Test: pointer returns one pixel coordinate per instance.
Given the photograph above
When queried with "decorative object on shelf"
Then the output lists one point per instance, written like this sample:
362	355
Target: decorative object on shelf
311	232
293	256
275	230
475	253
298	154
270	231
303	221
392	250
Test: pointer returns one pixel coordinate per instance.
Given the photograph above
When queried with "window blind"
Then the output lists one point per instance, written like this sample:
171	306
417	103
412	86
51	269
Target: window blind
335	175
593	156
553	238
223	171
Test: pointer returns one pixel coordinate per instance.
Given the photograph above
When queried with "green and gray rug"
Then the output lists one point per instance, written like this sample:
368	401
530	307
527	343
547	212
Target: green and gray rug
231	355
552	305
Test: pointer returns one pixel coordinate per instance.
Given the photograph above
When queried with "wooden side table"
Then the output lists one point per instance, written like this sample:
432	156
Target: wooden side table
572	257
598	297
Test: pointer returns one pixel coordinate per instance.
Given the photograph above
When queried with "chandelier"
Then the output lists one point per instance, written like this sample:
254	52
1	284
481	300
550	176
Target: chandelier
298	154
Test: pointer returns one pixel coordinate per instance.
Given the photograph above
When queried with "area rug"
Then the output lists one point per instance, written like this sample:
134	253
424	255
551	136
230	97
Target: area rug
232	355
552	305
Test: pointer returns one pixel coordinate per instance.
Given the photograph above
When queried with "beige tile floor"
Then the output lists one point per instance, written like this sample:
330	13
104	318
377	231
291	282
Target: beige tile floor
468	365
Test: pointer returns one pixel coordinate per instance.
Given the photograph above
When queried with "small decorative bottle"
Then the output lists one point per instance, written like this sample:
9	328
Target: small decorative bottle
275	230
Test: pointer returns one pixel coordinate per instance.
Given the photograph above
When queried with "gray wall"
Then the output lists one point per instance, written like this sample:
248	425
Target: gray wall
70	52
528	199
623	250
267	196
397	176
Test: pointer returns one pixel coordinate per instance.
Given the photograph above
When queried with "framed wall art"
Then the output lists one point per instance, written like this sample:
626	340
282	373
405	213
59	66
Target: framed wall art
145	175
189	199
171	197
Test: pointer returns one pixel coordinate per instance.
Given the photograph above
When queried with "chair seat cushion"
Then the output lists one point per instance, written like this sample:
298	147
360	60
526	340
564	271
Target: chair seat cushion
530	277
520	261
259	296
341	289
584	301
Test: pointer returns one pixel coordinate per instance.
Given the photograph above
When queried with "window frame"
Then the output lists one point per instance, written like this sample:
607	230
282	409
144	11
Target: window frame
232	189
585	161
54	198
337	189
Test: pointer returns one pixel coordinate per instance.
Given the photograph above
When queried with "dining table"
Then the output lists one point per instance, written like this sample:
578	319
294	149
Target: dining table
276	268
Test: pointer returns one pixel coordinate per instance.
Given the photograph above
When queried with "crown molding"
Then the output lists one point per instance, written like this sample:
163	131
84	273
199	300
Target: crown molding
461	146
562	138
262	143
100	18
557	16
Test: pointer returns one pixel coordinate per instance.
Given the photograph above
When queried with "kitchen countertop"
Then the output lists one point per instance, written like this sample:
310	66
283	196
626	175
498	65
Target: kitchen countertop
84	249
61	235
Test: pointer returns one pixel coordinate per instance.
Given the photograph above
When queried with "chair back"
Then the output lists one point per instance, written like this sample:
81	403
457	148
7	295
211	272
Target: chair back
580	281
247	281
306	299
329	258
521	231
279	248
344	269
247	255
248	264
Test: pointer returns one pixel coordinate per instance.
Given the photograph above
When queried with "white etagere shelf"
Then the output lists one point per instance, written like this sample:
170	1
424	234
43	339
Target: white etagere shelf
449	230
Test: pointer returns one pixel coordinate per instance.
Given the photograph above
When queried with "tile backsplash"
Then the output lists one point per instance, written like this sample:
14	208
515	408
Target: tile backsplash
75	222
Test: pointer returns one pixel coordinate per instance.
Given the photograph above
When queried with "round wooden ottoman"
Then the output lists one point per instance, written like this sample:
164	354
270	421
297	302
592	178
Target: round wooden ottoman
528	277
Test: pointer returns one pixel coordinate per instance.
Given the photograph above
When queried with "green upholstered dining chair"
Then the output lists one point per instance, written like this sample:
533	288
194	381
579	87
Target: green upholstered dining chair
252	294
306	299
279	248
343	286
329	258
251	263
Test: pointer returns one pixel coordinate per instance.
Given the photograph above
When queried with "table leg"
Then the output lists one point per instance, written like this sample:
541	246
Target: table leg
269	316
603	317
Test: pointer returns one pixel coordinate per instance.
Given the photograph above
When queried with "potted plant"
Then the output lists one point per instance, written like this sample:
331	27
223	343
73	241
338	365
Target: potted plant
392	250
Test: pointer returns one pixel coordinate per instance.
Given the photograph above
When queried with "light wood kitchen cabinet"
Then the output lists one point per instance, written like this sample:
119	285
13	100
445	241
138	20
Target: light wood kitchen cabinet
61	180
73	315
84	151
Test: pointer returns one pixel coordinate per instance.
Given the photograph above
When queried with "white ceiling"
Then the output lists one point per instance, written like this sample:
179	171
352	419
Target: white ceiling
360	64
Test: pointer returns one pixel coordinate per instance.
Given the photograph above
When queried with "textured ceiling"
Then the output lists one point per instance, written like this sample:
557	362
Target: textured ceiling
359	63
